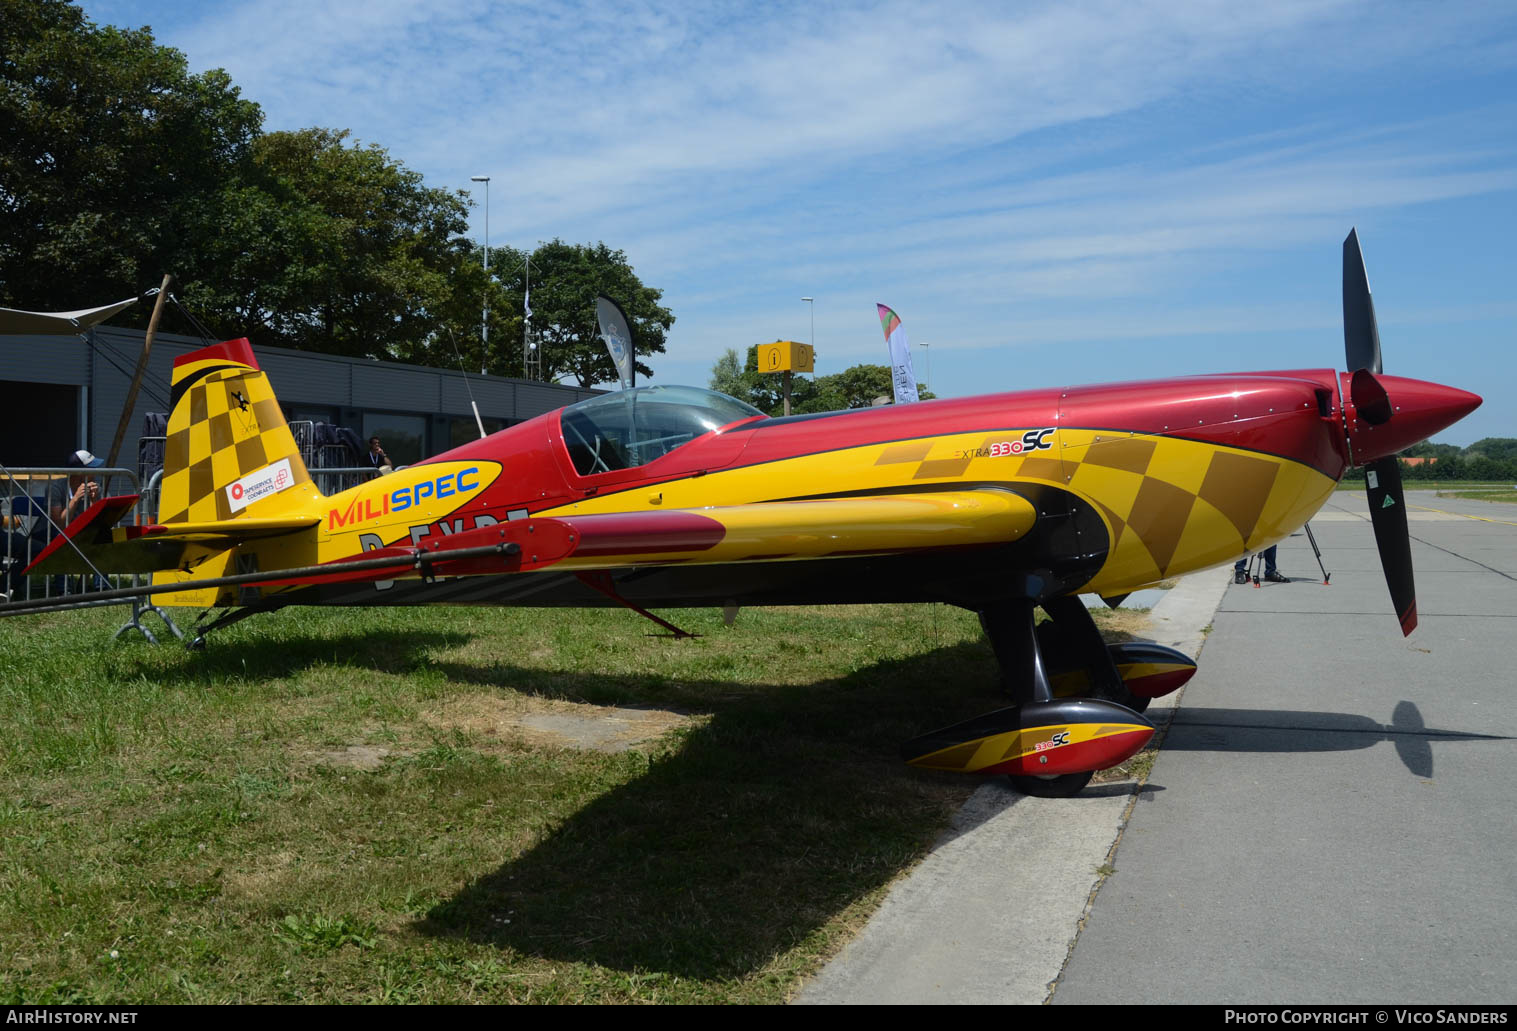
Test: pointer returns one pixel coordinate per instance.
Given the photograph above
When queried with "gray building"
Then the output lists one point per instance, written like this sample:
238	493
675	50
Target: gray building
60	393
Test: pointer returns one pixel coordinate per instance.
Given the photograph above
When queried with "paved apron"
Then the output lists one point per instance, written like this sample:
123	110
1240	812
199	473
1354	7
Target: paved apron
1333	816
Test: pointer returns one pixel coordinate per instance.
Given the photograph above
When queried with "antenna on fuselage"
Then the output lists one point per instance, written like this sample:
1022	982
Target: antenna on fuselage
465	373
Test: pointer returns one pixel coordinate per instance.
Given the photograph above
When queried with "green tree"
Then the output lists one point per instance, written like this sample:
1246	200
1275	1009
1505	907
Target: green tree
117	165
1501	449
114	159
742	380
455	334
565	279
336	248
727	375
1427	449
855	387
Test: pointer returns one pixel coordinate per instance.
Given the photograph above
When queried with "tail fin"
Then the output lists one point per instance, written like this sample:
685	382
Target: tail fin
229	453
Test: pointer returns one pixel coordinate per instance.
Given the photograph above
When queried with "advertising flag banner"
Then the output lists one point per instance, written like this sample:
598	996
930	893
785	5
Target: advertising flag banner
618	337
901	377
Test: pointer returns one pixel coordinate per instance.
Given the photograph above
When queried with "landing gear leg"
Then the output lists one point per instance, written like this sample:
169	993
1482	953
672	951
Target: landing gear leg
1010	627
1075	633
227	618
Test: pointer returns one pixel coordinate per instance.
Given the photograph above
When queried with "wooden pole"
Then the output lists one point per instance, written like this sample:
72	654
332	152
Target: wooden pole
787	391
147	348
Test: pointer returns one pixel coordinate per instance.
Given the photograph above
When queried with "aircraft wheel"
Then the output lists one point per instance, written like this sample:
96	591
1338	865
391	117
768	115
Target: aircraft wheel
1064	786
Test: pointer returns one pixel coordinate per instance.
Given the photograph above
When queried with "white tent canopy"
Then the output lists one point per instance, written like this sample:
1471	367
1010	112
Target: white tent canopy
57	322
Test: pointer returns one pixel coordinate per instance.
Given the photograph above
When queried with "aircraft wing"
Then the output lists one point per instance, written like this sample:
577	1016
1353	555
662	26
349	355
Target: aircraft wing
769	531
773	531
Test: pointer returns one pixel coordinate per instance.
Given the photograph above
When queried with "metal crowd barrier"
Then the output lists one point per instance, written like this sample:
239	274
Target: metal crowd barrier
28	524
337	480
32	503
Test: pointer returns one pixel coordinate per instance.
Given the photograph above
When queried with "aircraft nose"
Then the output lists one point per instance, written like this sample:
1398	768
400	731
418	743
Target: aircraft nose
1418	409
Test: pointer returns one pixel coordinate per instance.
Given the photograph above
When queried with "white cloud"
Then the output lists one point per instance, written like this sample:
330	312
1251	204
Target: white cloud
1048	173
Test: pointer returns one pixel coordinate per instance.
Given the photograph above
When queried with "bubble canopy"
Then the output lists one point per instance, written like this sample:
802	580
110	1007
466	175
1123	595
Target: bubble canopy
634	427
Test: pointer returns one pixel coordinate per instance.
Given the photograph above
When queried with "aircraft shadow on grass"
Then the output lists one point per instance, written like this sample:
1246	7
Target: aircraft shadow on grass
788	805
387	651
784	808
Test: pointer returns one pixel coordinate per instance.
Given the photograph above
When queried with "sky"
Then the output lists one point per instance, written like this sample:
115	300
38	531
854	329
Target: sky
1048	194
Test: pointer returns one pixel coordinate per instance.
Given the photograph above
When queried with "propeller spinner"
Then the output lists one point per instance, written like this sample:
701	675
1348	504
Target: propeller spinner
1383	415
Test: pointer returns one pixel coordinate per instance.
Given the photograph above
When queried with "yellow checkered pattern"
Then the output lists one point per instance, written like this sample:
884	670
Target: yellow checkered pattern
1168	506
1173	506
225	424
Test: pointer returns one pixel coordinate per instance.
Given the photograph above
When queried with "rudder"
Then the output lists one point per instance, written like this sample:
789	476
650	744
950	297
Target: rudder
229	452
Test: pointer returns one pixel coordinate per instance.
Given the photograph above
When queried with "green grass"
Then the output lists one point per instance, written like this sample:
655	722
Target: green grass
1487	494
1425	490
1355	481
182	827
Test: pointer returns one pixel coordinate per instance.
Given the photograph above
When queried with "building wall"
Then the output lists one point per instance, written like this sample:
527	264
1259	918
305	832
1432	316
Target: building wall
104	360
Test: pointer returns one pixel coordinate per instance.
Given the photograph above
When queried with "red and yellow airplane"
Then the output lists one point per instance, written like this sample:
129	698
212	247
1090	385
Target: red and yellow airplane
678	497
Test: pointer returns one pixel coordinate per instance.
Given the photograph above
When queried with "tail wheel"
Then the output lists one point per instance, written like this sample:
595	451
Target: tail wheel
1063	786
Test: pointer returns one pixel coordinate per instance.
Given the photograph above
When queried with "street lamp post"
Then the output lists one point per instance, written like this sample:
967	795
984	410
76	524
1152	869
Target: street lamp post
812	302
531	365
926	361
484	319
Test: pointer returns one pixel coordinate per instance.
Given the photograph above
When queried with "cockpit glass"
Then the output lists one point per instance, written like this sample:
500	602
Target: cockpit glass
634	427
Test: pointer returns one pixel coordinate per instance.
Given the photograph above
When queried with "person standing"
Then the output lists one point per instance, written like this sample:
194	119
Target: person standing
378	458
67	499
1273	575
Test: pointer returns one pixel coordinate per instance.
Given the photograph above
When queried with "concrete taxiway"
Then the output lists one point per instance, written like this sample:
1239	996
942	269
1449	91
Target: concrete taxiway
1330	818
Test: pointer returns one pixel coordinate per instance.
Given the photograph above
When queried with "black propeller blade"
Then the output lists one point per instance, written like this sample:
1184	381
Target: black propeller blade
1382	477
1361	338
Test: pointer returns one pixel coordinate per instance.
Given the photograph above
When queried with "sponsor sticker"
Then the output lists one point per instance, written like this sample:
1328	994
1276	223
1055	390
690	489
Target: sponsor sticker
255	486
446	485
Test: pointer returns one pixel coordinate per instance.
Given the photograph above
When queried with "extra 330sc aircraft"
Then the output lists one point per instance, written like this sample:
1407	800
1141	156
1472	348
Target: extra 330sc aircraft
678	497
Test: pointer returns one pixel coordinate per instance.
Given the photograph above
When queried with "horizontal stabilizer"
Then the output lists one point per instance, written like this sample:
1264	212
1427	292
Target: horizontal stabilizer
94	541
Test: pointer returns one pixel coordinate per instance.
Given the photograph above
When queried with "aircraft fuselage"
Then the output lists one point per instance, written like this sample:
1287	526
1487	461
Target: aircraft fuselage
1133	483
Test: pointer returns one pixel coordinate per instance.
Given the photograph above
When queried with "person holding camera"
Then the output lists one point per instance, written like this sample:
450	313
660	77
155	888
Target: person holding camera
68	499
378	458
